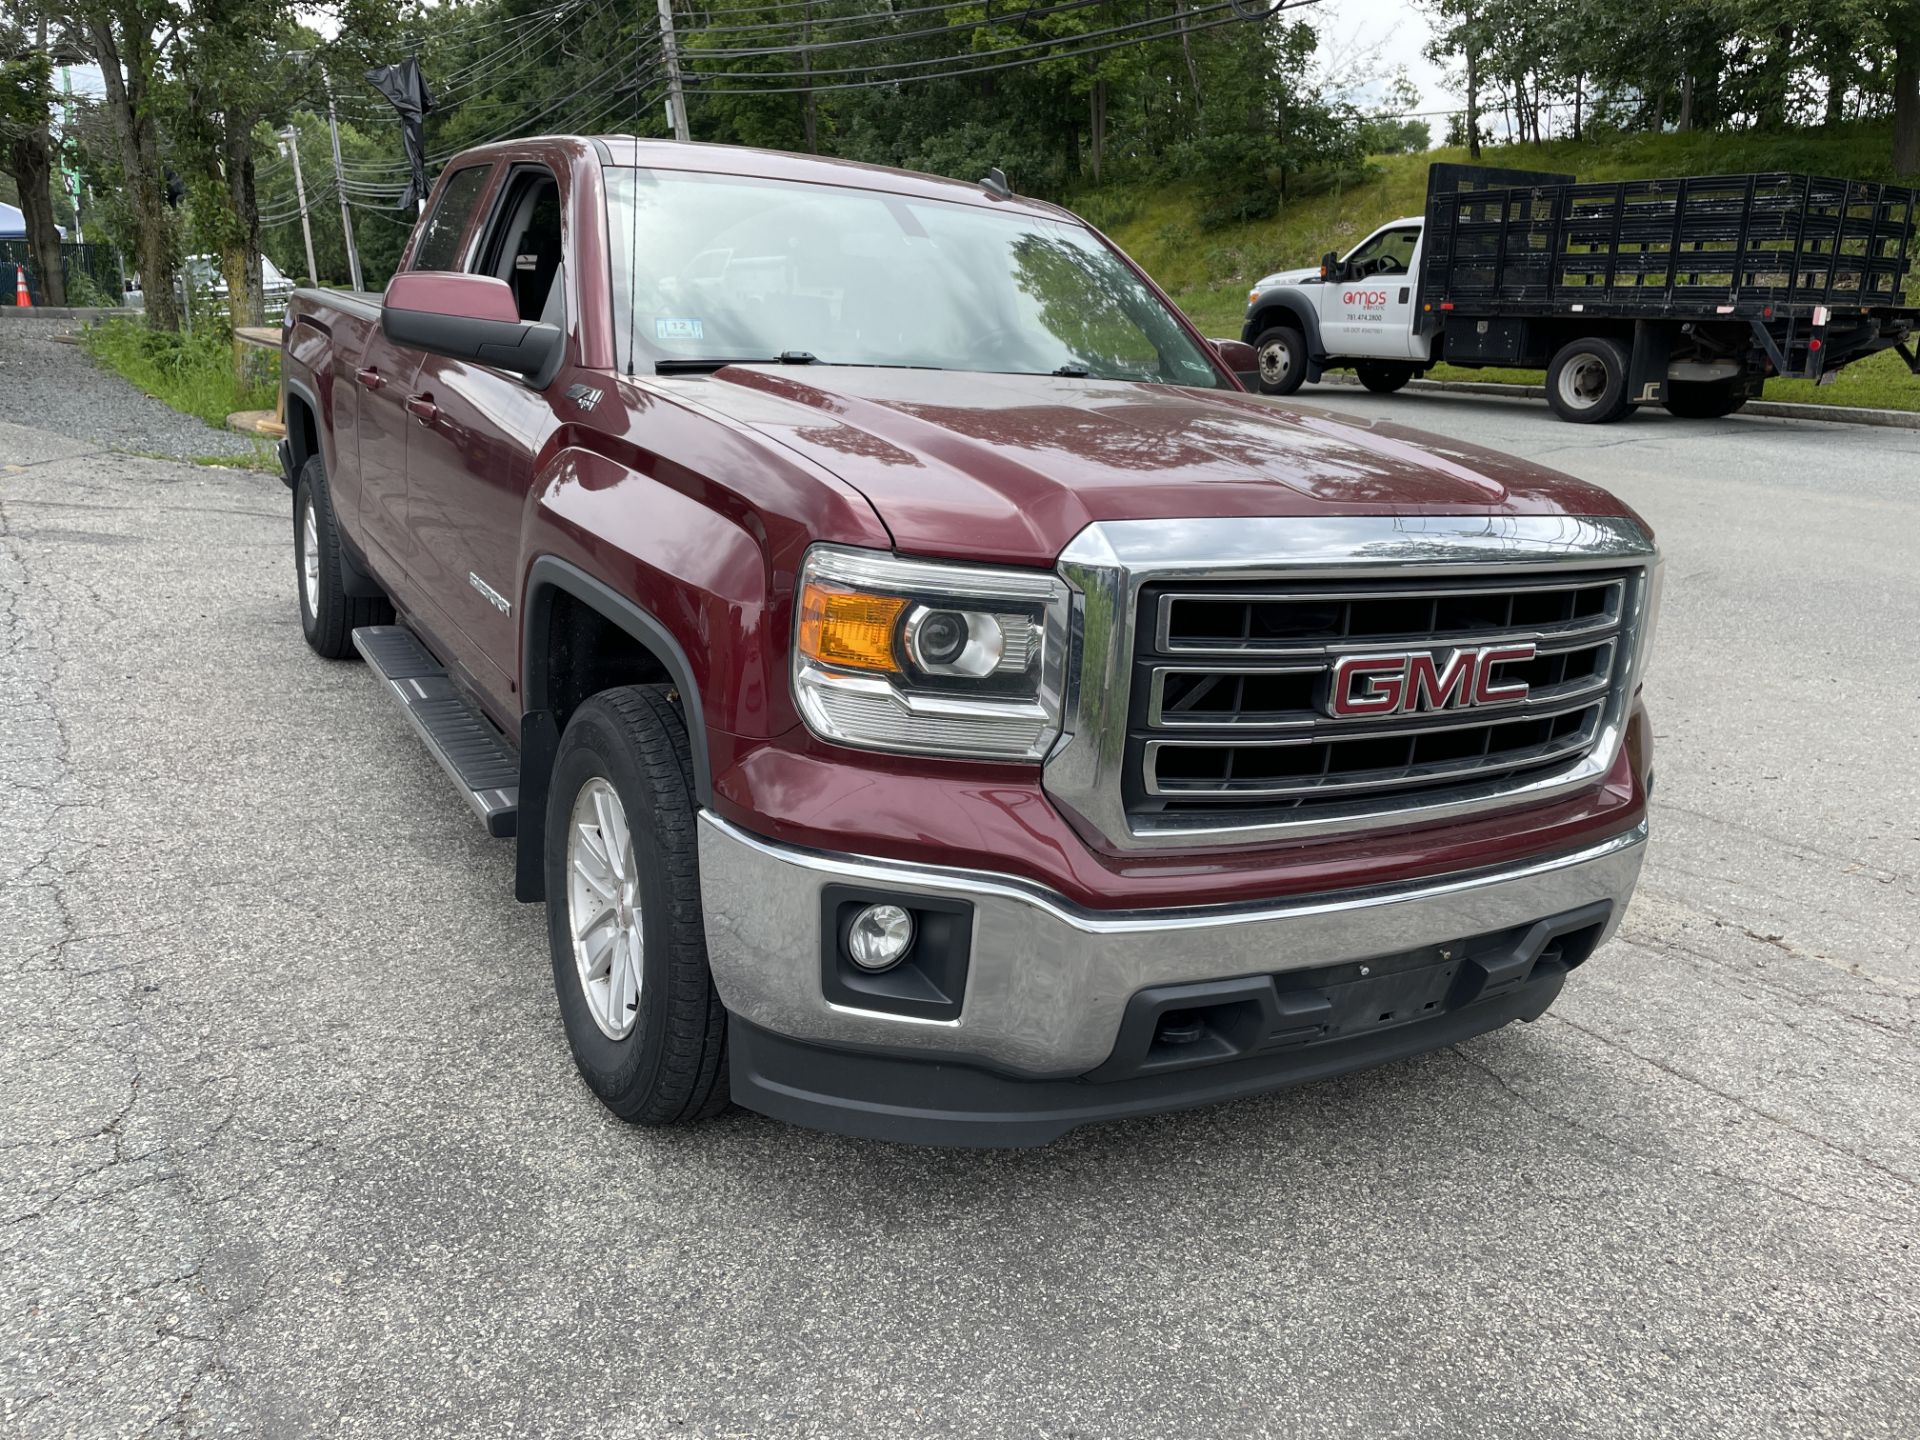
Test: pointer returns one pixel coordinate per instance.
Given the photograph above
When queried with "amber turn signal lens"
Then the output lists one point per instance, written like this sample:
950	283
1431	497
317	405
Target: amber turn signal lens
848	629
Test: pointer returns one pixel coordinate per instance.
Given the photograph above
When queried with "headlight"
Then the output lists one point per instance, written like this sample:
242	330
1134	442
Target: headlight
929	658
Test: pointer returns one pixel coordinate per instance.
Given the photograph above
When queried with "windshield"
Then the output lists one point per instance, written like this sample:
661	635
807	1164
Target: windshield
723	267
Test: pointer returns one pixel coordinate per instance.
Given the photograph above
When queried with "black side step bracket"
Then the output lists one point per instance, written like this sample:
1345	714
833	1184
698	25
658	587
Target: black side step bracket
478	757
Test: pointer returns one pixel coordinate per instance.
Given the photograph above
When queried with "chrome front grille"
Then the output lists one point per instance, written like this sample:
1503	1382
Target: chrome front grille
1201	702
1253	728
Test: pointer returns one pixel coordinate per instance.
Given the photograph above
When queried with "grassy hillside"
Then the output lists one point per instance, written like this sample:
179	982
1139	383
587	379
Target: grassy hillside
1208	271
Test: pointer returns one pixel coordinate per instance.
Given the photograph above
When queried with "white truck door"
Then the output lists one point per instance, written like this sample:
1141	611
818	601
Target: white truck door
1369	314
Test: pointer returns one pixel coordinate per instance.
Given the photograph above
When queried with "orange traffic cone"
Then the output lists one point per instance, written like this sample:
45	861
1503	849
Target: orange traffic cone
20	295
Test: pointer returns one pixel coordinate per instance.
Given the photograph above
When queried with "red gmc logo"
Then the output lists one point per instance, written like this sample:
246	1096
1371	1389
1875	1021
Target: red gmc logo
1407	683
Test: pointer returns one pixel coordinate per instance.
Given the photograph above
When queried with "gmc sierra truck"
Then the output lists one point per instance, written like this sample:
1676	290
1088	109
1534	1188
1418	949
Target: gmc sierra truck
1688	293
933	700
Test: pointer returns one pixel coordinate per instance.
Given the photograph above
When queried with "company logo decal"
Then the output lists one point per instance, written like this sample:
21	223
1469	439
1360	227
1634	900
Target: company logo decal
1421	680
1365	299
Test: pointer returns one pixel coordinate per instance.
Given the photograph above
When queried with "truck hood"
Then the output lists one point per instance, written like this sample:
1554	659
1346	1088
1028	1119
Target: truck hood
1288	277
1012	467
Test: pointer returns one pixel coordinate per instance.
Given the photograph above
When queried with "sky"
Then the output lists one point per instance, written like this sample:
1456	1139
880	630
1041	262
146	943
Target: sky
1394	29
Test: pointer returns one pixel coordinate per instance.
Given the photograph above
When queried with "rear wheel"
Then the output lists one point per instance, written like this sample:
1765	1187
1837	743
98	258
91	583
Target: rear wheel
1587	381
1705	399
328	616
1283	360
1384	379
624	920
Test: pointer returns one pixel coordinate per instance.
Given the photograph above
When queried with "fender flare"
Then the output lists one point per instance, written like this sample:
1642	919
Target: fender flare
299	390
540	732
1287	300
356	580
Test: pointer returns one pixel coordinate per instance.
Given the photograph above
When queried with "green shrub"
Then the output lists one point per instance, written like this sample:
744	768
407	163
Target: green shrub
193	373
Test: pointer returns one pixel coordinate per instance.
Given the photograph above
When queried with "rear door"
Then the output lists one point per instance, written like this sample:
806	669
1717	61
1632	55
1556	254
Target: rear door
470	459
384	374
1370	313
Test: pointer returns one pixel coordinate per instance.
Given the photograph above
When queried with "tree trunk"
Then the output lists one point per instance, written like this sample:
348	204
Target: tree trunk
1473	101
1097	127
30	162
133	127
809	105
1186	49
1906	103
1579	95
1685	121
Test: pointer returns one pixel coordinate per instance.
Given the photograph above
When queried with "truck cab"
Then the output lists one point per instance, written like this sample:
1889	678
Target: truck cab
1355	306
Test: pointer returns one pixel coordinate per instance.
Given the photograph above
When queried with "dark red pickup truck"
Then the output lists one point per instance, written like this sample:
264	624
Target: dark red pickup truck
933	699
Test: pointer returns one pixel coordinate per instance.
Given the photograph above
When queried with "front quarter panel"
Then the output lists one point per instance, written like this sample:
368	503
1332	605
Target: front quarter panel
703	527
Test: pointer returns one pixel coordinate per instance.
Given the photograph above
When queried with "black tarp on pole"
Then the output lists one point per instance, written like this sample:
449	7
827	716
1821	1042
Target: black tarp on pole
406	91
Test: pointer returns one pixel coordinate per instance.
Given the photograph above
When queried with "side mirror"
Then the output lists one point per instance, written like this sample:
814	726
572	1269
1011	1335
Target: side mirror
469	317
1237	356
1330	265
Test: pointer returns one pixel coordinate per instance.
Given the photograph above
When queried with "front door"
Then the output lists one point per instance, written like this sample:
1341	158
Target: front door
470	455
1370	313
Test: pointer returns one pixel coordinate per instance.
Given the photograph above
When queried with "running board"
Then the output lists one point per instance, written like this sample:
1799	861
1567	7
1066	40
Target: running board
465	743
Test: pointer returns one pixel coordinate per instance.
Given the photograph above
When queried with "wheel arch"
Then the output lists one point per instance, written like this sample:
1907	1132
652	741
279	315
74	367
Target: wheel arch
303	423
1282	306
553	584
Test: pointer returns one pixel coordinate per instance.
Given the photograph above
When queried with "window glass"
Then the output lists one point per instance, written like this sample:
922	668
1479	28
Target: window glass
1388	254
523	247
439	247
722	267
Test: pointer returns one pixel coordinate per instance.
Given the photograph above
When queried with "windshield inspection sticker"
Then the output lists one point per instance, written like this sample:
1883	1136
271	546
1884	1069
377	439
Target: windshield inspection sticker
677	330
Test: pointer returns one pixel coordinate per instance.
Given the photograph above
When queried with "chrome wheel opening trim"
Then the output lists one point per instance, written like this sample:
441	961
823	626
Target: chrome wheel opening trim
603	908
310	557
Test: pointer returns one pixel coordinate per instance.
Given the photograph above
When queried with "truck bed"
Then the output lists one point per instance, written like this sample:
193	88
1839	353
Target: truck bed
1773	244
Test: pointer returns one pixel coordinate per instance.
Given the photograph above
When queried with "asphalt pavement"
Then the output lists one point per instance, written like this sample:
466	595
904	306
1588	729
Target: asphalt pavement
290	1142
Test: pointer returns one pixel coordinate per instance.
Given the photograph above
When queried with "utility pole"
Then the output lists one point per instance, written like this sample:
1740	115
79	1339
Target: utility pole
340	185
676	97
291	138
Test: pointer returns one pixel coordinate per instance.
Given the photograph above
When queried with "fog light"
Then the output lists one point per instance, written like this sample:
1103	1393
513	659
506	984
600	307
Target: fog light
880	937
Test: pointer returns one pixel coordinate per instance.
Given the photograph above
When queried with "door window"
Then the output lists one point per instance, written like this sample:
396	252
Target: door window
523	247
439	247
1388	253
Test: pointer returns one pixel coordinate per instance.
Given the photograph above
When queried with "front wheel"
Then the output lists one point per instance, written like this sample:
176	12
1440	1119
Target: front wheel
1283	360
1384	379
624	920
1705	399
1587	381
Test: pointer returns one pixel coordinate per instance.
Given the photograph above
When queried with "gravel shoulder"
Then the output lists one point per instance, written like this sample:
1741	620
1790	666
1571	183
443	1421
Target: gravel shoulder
59	388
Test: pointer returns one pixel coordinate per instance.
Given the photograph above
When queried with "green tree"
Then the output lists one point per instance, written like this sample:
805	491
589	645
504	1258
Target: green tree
26	146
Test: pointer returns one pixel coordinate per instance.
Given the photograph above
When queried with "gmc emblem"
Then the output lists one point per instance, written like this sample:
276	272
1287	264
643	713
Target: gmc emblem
1416	680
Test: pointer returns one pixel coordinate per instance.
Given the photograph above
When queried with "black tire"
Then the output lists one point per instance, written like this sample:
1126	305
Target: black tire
1705	399
1282	352
328	617
1384	378
670	1067
1587	381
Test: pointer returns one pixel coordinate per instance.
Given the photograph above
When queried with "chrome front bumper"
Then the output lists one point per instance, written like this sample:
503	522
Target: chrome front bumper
1048	983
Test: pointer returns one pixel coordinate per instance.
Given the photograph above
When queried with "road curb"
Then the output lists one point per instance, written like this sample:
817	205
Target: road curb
68	312
1773	409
